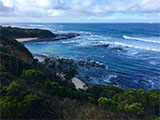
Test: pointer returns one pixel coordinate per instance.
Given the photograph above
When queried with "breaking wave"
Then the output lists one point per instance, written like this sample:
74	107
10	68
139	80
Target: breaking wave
140	39
128	45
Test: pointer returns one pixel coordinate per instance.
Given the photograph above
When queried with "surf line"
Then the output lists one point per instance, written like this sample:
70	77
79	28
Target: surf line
140	39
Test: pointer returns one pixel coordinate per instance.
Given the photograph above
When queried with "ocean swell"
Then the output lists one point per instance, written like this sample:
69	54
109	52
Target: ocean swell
140	39
131	46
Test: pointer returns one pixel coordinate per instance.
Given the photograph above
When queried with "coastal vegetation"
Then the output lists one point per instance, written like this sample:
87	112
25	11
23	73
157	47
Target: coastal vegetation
24	33
30	89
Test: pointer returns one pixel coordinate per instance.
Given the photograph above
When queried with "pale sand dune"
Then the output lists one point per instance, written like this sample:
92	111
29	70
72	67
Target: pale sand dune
79	84
26	39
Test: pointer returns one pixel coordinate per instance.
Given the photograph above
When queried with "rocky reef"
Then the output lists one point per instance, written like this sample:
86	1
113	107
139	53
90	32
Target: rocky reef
91	64
110	47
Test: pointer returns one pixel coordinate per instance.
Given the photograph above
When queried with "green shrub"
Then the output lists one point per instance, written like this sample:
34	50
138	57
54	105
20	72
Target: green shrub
109	103
12	64
34	78
134	108
6	79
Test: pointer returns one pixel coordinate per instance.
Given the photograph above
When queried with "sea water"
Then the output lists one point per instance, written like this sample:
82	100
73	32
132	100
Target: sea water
131	52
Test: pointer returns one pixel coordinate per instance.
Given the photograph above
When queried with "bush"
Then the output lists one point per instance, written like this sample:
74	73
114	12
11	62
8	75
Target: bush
34	78
12	64
11	96
6	79
134	108
109	103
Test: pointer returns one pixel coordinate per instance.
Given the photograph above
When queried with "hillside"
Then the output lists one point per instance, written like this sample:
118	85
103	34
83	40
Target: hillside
11	46
24	33
34	35
31	89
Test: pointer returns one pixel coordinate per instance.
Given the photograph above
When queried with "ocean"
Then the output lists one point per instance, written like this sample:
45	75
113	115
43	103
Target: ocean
130	52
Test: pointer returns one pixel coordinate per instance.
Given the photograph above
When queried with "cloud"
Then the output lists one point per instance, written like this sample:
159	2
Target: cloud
6	10
77	8
55	12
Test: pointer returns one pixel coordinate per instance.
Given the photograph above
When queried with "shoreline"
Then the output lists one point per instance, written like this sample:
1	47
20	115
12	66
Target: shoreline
22	40
81	63
79	84
48	39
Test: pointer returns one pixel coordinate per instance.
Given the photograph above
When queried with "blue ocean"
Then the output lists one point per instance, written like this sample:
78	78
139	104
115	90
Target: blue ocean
130	52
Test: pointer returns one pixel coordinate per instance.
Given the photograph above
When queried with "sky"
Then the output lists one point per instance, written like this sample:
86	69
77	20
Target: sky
80	11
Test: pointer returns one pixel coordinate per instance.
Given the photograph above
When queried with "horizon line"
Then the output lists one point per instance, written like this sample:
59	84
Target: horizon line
85	22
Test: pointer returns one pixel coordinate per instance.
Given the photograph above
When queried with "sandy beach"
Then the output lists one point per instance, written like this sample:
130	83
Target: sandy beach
48	39
26	39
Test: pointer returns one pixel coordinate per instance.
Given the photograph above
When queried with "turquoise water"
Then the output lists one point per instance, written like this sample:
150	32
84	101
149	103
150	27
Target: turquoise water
132	57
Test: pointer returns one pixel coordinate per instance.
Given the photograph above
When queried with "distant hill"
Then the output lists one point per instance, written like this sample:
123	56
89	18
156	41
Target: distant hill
24	33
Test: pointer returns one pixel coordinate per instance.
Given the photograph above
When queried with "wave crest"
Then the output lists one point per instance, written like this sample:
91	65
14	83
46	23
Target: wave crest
140	39
128	45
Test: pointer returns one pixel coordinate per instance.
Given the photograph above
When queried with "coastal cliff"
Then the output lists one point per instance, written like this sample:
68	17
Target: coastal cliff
11	46
34	35
31	89
24	33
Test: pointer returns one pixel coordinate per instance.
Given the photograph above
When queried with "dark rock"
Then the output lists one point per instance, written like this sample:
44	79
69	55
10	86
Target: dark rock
116	48
142	81
90	64
81	63
104	46
66	36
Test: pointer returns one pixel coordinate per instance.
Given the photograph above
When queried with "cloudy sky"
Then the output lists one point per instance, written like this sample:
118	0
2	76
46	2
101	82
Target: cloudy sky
80	11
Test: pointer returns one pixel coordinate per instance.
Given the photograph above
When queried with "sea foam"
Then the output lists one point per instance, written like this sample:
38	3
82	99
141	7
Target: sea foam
128	45
140	39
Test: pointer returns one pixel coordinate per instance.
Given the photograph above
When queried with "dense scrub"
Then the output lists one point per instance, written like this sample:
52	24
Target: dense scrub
34	94
34	90
11	46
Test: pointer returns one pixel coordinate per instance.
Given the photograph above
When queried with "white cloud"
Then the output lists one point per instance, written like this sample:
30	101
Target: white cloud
97	9
52	12
8	3
78	8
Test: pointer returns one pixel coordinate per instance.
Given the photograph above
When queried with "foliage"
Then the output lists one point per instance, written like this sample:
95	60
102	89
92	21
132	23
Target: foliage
109	103
62	67
103	91
12	64
14	48
34	78
6	78
26	99
17	103
22	33
134	108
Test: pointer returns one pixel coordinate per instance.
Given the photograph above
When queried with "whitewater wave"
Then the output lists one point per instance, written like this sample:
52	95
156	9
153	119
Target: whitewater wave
99	43
140	39
127	45
78	32
67	42
32	25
